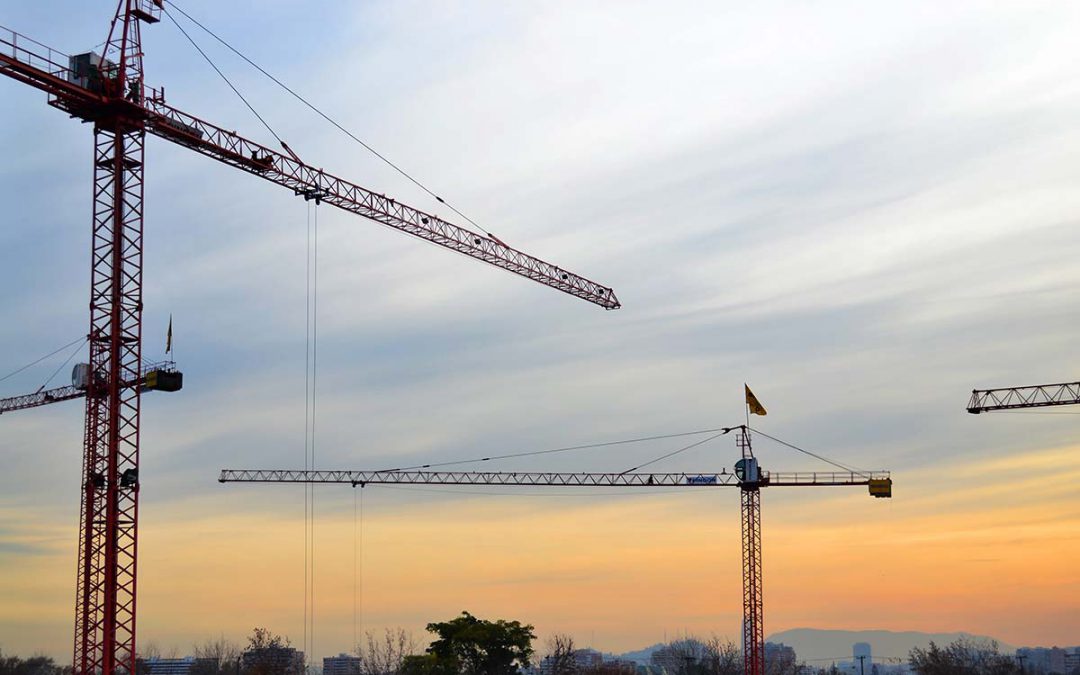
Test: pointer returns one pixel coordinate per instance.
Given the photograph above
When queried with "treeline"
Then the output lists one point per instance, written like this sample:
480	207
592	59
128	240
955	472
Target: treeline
35	665
467	645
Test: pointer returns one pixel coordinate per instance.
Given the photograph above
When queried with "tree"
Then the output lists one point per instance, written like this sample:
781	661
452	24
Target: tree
694	656
560	657
962	657
470	646
35	665
386	656
270	654
216	657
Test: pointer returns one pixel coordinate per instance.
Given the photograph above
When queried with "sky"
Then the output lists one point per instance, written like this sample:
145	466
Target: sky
862	210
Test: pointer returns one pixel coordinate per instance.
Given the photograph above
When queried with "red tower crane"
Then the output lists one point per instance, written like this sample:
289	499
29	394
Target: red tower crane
109	91
748	477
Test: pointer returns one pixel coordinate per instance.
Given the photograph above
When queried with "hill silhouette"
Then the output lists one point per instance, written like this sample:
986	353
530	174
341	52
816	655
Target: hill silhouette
815	645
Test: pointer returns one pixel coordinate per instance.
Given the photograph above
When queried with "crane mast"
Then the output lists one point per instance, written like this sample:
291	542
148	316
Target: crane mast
109	91
753	628
748	477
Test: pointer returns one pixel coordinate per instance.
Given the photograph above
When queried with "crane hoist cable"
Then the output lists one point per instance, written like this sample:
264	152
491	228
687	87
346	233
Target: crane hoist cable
61	366
812	454
682	449
49	355
326	117
231	85
550	451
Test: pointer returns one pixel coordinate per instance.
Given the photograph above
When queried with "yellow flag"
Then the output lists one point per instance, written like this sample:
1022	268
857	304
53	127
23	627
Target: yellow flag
168	338
753	404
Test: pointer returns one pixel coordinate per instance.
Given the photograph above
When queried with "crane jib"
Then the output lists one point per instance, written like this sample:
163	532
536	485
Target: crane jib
880	482
226	146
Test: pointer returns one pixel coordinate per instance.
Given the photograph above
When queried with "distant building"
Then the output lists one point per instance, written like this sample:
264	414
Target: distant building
587	658
159	666
779	657
342	664
1048	660
620	665
862	657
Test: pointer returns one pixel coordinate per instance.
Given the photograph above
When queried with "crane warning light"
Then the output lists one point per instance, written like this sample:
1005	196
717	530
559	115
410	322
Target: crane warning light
881	488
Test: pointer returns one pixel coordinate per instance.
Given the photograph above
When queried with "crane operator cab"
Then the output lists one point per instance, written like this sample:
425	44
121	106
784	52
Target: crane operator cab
93	72
747	470
163	377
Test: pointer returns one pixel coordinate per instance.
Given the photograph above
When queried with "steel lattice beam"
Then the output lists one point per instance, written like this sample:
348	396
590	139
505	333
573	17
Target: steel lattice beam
226	146
753	628
525	478
40	398
1016	398
105	614
105	623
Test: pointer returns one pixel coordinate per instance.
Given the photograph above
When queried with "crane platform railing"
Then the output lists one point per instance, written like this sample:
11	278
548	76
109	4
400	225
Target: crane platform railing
66	393
579	479
28	51
1016	398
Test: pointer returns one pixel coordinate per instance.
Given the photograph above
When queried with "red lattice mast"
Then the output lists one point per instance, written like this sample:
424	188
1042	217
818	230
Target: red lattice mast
753	629
105	591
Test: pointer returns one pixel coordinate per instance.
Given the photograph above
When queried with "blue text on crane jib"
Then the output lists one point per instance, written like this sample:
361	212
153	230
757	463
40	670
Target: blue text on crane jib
701	480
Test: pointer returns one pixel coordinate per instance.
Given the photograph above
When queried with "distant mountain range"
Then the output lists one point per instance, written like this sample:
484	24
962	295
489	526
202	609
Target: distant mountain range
813	645
822	646
641	656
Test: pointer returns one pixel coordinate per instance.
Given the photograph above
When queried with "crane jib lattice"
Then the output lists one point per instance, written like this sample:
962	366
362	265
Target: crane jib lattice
525	478
1018	398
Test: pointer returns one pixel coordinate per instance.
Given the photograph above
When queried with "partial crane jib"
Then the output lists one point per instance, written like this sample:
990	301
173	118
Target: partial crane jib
1020	398
305	180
